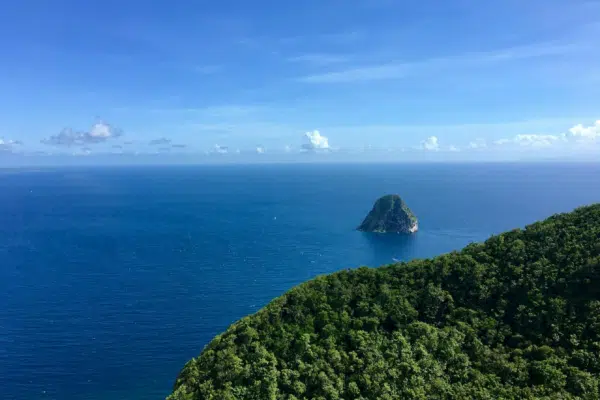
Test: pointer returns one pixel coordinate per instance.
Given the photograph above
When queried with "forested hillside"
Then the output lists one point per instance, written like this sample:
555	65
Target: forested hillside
516	317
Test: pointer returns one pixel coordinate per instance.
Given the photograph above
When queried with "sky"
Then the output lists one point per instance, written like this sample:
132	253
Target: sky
307	80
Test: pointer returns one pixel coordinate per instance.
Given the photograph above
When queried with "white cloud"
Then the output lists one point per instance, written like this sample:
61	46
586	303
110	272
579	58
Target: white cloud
315	141
581	133
220	149
260	150
287	148
430	144
100	132
453	148
536	140
478	144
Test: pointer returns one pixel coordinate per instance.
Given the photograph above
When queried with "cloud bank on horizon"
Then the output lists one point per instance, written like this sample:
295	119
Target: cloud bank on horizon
580	135
576	136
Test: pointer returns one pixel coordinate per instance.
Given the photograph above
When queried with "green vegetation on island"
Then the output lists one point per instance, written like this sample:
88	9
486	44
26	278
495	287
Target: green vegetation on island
390	214
516	317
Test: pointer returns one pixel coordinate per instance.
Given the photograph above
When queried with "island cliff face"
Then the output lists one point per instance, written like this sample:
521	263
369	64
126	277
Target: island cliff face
390	214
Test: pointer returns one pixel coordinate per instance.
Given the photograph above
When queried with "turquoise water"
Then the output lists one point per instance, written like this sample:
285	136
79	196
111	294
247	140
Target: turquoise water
112	278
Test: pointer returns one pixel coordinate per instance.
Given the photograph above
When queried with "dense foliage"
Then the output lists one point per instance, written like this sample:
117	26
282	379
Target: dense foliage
517	317
389	214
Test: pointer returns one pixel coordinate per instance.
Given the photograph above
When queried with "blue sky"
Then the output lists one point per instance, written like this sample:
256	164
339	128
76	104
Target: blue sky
456	79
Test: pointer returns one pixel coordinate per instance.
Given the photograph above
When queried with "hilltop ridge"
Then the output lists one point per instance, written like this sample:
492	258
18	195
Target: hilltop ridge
515	317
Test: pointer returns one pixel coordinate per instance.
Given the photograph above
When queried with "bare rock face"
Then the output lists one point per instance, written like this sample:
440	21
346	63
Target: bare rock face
390	214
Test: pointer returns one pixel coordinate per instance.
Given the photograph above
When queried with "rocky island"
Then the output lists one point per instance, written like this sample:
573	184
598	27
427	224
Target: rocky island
390	214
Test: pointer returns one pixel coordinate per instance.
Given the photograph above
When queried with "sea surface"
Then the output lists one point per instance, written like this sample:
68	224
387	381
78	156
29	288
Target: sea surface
112	278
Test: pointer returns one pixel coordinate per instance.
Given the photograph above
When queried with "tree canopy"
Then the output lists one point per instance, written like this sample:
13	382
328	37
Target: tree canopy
516	317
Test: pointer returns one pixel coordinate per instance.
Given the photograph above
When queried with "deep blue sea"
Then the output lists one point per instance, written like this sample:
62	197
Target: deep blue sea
112	278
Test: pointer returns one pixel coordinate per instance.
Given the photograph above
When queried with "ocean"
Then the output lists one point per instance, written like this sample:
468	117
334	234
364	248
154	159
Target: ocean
111	278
